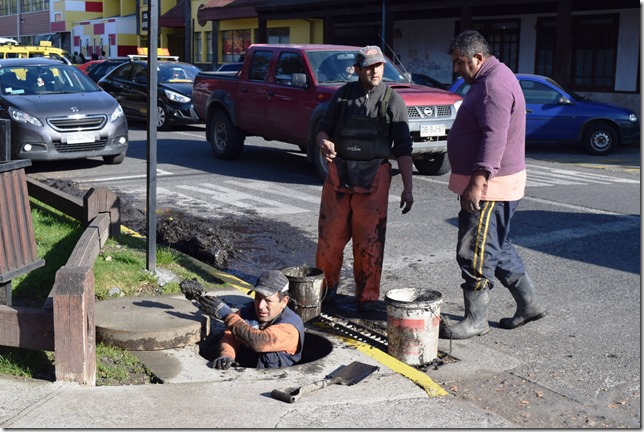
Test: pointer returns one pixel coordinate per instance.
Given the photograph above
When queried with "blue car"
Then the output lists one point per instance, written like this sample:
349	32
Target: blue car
555	114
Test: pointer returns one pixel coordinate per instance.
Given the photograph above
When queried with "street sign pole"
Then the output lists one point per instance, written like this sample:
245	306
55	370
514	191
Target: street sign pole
153	34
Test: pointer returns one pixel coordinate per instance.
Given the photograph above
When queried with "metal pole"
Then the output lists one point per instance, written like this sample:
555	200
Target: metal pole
383	24
153	34
18	19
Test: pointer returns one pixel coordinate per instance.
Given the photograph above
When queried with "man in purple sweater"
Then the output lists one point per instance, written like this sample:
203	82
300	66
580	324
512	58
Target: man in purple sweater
486	150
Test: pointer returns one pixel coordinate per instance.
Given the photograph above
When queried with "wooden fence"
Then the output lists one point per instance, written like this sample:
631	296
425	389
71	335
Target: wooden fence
65	323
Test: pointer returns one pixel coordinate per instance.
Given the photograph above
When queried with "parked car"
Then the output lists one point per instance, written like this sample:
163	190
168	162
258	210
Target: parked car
56	112
555	114
97	69
128	83
43	49
100	68
426	80
88	65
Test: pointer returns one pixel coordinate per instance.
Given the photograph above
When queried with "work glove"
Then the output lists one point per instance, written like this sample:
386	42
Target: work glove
214	307
223	363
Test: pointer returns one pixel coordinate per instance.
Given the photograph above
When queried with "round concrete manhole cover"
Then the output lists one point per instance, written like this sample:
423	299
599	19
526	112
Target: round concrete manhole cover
149	323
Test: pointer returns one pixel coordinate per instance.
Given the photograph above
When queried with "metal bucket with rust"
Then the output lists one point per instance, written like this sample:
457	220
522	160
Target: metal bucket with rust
307	290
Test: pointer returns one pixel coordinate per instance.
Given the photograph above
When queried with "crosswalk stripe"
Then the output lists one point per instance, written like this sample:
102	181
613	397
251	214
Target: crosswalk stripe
272	188
600	178
243	200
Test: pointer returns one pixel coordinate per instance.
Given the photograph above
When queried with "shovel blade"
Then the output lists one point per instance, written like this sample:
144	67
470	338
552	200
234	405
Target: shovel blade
353	373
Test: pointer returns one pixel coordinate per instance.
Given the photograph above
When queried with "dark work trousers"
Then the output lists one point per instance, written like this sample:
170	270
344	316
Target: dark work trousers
483	250
346	214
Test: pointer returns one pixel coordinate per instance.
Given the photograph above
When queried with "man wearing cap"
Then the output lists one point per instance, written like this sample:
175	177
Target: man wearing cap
263	334
355	136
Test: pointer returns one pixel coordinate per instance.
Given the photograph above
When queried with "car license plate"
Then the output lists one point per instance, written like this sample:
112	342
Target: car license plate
432	130
81	137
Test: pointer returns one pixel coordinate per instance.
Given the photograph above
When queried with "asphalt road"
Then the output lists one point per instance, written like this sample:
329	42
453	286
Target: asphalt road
578	230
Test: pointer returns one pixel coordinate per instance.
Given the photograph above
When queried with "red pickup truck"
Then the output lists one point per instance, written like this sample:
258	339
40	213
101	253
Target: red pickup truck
281	92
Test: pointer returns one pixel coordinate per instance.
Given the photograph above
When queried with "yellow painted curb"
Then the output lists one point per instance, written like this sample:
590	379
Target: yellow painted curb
414	375
225	277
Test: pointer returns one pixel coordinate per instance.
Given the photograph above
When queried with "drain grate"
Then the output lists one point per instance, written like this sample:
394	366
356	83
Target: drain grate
376	336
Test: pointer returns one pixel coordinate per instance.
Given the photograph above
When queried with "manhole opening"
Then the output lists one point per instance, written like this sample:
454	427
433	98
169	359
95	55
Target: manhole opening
315	347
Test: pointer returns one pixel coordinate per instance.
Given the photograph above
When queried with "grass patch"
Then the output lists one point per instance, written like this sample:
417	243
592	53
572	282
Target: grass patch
119	270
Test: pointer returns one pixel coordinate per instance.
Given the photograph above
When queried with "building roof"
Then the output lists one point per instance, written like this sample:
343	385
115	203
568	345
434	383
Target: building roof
228	9
175	17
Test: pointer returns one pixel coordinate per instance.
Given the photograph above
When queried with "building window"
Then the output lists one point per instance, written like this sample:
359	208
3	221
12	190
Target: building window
545	51
209	47
198	48
593	51
503	37
278	35
33	5
235	44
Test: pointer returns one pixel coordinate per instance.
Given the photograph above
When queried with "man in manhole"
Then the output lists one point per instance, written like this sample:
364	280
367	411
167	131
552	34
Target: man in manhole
262	334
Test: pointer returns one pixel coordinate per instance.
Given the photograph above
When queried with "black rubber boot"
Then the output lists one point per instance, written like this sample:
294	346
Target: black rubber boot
528	308
477	305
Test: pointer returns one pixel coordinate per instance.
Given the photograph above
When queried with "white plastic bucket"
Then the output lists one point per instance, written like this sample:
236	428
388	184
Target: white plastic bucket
413	318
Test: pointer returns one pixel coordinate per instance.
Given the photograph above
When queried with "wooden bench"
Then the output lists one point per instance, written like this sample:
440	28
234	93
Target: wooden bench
18	253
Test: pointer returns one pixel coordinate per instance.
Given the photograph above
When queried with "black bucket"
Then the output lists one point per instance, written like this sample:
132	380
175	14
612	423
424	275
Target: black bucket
307	290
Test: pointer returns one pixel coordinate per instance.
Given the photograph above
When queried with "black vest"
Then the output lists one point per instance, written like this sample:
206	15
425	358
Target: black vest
359	137
249	358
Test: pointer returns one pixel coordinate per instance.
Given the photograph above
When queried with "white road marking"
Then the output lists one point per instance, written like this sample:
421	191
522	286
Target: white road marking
274	189
131	177
539	176
243	200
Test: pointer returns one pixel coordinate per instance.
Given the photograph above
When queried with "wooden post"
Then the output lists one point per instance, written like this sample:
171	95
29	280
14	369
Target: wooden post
74	325
103	200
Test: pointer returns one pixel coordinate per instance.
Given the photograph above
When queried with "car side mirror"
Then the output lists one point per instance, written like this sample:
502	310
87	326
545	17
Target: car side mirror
298	80
564	101
141	80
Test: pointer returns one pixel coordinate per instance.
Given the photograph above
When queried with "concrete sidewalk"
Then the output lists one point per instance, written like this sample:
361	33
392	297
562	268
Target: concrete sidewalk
200	397
195	396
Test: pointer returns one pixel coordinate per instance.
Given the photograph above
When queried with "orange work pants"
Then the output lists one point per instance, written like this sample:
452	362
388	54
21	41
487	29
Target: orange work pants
360	215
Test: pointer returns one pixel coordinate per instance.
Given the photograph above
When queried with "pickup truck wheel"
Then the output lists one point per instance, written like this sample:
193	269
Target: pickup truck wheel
600	139
226	140
437	164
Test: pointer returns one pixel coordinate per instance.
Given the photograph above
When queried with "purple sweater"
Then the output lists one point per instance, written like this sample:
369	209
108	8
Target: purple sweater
489	130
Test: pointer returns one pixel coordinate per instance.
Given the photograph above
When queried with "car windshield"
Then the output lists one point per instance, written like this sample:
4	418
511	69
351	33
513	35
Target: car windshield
38	79
335	67
177	73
